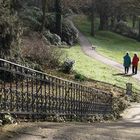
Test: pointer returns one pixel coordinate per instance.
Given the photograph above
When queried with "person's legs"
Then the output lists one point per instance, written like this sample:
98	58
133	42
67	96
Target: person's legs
133	69
127	69
136	68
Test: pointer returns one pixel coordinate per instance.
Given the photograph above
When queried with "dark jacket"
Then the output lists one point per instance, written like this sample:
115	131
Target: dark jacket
127	60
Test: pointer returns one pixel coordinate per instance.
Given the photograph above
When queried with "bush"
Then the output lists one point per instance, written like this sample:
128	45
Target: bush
10	30
50	22
36	50
79	77
54	39
67	12
31	17
69	32
119	104
123	29
135	97
31	64
67	65
32	23
8	119
50	56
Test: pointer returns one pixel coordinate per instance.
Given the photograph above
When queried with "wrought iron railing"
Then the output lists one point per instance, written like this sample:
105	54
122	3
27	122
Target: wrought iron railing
27	91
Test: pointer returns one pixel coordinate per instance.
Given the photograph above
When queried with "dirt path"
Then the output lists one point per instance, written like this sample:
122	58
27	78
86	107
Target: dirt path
87	49
127	128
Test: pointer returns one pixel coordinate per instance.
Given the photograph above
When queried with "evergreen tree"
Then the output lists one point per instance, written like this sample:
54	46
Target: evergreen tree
10	30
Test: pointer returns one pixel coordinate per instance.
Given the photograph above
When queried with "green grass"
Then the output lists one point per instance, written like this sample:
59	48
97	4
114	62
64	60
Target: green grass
96	70
109	44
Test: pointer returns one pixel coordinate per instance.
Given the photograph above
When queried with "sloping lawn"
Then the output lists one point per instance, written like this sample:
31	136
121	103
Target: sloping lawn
97	70
109	44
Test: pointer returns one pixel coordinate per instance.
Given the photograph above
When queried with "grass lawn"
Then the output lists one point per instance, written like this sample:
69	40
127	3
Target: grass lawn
97	70
109	44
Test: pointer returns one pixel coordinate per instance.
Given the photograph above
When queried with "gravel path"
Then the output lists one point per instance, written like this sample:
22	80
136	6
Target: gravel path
87	49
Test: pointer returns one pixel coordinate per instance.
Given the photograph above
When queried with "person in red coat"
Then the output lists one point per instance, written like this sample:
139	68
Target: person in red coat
135	64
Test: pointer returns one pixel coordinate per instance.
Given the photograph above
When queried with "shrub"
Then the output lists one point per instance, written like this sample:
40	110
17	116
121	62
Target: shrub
119	104
67	12
32	23
135	97
69	32
31	17
50	56
123	29
10	30
31	64
79	77
8	119
67	65
58	118
50	22
54	39
36	50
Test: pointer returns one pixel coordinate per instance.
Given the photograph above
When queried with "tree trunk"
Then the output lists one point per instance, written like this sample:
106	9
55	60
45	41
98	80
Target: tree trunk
118	18
93	19
139	30
13	6
58	10
103	22
44	2
134	21
112	22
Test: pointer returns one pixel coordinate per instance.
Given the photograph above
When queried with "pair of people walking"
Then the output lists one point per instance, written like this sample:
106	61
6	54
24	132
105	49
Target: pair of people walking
127	63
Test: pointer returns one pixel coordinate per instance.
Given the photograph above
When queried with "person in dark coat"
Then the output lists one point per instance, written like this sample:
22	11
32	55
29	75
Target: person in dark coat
127	62
135	64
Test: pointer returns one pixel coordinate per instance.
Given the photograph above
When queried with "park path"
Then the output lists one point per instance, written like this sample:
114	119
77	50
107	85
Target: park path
87	49
127	128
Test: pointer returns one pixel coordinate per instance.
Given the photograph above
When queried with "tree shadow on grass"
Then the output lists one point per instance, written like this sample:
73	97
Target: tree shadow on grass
123	75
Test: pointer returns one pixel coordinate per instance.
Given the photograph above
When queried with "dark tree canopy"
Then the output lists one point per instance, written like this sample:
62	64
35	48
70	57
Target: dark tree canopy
9	27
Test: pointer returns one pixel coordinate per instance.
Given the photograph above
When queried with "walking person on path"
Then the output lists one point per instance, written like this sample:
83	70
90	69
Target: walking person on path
135	64
127	62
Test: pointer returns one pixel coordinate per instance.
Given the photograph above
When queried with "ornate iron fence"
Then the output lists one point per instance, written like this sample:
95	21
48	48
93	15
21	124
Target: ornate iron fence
27	91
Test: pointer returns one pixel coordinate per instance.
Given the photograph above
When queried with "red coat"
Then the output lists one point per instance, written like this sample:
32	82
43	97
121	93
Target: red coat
135	61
